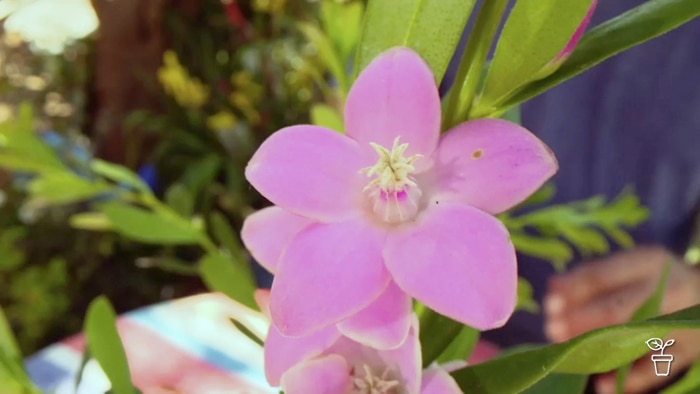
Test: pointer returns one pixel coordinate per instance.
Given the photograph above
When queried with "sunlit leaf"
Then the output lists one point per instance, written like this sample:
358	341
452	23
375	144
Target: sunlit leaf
431	28
106	346
149	227
595	352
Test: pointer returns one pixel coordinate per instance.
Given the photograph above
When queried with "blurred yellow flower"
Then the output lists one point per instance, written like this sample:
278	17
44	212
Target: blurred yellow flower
222	120
269	6
246	95
188	92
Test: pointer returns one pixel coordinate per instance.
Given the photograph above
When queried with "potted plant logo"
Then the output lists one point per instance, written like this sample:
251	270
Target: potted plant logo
662	362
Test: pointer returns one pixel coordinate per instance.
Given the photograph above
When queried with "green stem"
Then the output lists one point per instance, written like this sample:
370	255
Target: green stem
473	62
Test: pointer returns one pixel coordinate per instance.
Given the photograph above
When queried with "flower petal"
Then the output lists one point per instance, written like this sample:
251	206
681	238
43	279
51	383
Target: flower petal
458	261
282	353
384	323
402	363
327	273
310	171
491	164
327	375
395	96
437	381
268	231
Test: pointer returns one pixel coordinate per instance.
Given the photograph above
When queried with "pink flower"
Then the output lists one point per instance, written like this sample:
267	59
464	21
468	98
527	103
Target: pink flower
328	362
391	210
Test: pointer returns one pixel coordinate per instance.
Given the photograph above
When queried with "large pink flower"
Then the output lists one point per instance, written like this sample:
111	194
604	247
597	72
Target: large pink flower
327	362
391	209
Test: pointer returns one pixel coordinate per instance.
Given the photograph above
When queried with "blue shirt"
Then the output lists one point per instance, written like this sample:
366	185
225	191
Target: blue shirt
632	120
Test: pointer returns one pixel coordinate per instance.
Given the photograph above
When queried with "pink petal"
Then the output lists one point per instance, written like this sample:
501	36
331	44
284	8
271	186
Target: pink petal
282	353
267	232
327	375
402	363
310	171
384	323
329	272
395	96
491	164
459	261
437	381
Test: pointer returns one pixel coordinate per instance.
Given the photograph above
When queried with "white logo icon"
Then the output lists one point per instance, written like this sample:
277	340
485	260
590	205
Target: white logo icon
662	362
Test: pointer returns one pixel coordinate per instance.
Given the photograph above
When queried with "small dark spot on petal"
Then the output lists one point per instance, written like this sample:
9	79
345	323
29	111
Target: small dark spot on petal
478	153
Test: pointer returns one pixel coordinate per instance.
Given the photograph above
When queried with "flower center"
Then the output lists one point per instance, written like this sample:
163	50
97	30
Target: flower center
393	193
370	383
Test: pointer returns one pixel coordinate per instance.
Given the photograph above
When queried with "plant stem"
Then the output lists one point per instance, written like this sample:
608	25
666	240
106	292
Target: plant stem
473	62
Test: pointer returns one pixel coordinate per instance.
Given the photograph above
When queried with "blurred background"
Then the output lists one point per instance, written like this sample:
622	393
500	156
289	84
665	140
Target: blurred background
181	92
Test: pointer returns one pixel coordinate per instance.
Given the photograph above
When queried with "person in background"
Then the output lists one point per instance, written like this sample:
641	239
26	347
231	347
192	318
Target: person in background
632	120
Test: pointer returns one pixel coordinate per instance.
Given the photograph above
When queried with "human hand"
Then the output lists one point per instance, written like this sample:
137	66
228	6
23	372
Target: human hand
608	291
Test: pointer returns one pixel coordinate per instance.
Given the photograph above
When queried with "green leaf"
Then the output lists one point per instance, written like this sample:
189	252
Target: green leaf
65	188
647	21
342	22
327	53
179	198
326	116
534	34
598	351
431	28
588	241
106	346
461	346
689	383
650	308
224	234
8	345
19	145
201	174
513	115
220	274
149	227
526	302
431	323
550	249
559	383
91	221
119	174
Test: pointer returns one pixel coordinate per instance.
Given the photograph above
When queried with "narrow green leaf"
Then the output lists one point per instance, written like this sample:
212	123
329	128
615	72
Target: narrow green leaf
220	274
149	227
119	174
461	346
106	346
526	301
650	308
643	23
201	174
329	56
91	221
689	383
559	383
179	198
598	351
433	345
17	138
224	234
431	28
342	22
65	188
534	34
550	249
326	116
